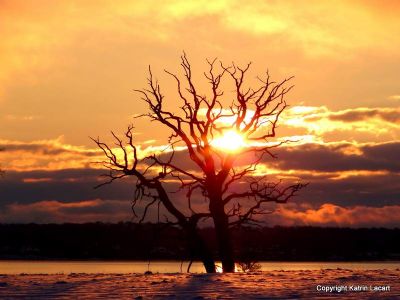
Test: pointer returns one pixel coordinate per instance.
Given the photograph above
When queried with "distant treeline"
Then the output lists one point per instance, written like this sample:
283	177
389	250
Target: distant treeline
129	241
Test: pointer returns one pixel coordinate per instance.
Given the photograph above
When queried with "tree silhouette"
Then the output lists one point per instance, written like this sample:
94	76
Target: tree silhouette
234	193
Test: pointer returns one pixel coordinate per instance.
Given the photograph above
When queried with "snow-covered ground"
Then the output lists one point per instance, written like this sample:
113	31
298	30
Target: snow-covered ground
317	284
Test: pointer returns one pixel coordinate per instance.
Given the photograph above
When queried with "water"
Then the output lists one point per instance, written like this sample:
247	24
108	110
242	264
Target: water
67	267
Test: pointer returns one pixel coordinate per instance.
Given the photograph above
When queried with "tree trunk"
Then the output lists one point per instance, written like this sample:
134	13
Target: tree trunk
223	236
199	250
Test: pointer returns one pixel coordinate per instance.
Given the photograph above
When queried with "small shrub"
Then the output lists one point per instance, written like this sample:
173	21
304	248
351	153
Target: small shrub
249	266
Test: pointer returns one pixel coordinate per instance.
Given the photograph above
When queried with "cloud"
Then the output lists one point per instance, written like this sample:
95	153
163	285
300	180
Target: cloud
343	173
34	33
390	115
361	124
369	190
296	115
75	185
52	211
378	126
394	97
85	58
339	156
320	28
35	36
328	214
334	173
55	154
333	215
67	185
64	64
45	154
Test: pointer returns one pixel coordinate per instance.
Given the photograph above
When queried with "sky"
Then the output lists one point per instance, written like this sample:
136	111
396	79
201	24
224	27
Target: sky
68	70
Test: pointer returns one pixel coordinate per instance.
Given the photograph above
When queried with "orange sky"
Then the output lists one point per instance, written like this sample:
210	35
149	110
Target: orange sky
68	70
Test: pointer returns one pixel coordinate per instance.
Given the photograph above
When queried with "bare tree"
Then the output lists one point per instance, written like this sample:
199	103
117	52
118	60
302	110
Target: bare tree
200	119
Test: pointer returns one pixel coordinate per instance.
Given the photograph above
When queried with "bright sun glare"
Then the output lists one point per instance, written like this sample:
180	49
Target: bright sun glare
231	141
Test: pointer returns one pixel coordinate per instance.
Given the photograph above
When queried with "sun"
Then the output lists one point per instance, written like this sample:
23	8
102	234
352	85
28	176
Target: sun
230	141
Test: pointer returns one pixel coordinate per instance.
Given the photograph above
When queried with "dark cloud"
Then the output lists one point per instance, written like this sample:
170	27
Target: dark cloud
331	157
371	190
49	147
60	212
338	157
64	185
372	180
386	152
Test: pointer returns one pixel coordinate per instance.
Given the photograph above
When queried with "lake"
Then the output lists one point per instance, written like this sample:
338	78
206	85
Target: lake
112	267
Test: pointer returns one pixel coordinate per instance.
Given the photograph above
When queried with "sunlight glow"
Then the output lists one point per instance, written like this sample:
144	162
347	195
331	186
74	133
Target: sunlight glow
231	141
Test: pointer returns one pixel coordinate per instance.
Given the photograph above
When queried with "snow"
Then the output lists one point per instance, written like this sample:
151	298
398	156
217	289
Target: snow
264	285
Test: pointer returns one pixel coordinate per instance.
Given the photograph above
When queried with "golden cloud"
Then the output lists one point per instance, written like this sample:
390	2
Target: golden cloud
44	155
363	124
334	215
55	154
394	97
